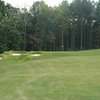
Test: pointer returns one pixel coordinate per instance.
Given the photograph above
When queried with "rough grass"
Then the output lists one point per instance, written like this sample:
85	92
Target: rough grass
52	76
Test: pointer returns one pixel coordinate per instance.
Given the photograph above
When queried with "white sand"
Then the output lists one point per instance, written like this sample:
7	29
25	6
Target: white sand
16	54
36	55
1	58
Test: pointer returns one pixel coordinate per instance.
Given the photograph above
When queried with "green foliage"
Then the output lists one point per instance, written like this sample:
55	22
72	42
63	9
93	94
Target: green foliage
74	26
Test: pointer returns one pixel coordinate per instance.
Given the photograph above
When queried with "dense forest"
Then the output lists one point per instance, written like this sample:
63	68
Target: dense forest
74	26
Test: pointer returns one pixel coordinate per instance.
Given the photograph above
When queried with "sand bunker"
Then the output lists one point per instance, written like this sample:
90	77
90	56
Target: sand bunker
1	58
16	54
36	55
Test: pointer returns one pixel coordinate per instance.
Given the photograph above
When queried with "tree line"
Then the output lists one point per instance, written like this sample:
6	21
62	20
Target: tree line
74	26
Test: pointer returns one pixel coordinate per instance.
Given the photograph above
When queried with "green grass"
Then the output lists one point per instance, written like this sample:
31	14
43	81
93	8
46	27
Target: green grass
52	76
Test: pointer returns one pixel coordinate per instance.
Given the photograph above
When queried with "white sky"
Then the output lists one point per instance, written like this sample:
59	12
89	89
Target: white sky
28	3
22	3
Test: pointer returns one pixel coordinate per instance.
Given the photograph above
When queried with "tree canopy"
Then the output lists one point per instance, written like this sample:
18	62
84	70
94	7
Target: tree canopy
74	26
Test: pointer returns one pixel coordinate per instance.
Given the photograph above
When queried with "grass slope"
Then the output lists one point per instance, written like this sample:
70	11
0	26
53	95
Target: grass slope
53	76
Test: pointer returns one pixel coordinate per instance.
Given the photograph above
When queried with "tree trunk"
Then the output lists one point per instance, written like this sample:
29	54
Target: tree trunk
81	44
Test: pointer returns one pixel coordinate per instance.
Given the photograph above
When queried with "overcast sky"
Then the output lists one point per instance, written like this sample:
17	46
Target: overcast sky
27	3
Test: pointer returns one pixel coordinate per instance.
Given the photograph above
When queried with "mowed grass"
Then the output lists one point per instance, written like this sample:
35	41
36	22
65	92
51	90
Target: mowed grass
52	76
